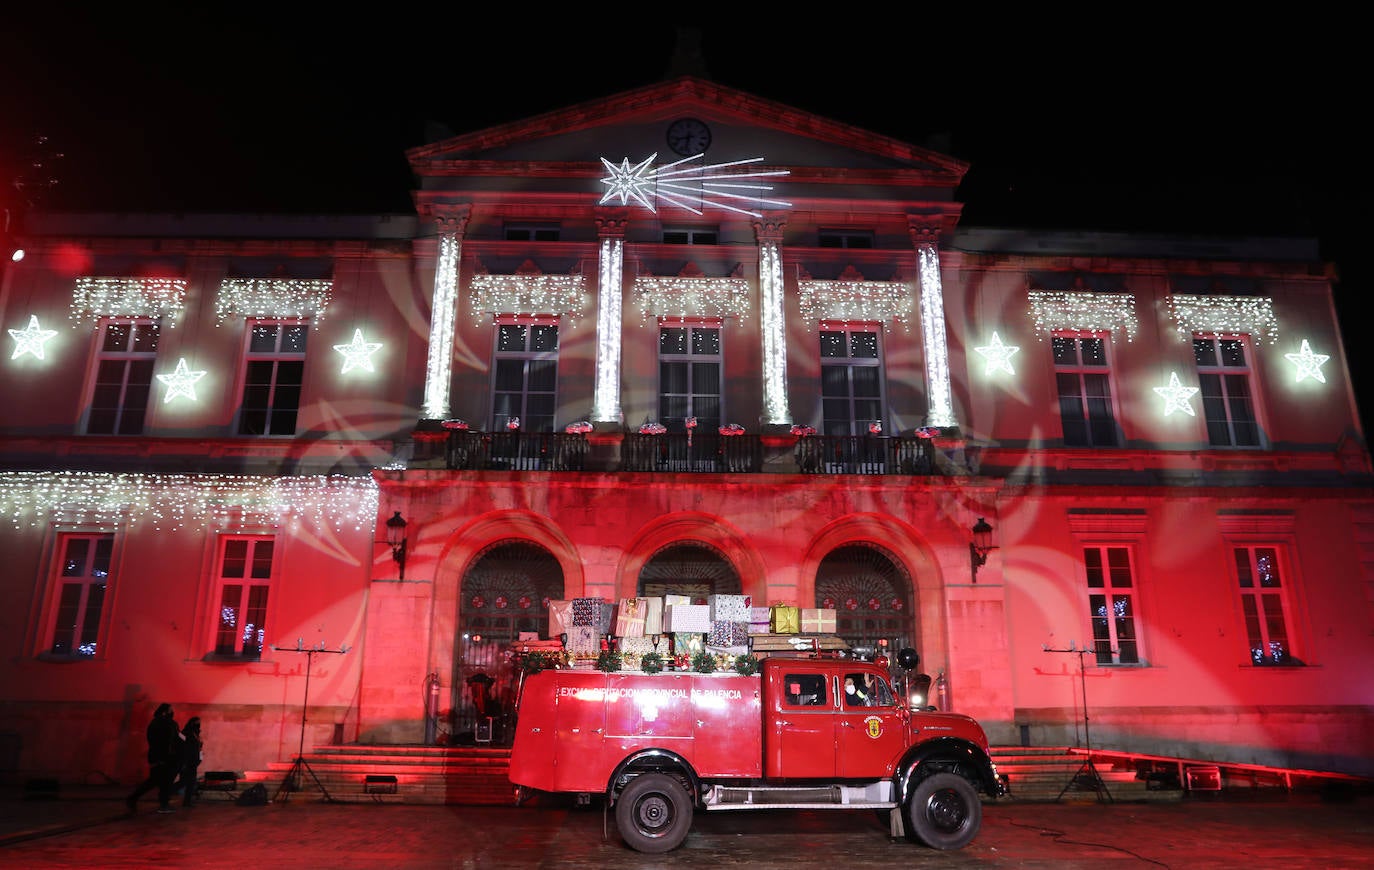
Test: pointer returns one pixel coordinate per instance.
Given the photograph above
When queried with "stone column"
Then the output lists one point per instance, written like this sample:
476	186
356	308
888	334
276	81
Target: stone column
925	235
609	303
451	222
772	322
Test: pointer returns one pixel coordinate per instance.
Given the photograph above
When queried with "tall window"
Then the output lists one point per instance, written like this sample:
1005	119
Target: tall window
84	576
526	376
243	575
1223	370
1111	605
1083	378
851	380
273	374
689	380
123	378
1263	606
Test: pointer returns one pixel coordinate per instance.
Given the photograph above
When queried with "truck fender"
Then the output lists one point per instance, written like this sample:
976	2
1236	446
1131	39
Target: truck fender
652	761
948	753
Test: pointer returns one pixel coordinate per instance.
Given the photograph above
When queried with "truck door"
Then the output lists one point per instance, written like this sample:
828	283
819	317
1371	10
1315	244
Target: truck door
801	733
869	731
579	733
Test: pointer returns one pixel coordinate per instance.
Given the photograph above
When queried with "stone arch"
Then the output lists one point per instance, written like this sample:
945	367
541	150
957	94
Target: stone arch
710	530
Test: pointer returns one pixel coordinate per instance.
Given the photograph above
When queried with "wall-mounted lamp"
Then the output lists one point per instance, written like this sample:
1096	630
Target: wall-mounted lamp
396	537
980	546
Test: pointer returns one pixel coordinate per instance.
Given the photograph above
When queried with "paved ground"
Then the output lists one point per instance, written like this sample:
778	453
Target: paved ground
1244	831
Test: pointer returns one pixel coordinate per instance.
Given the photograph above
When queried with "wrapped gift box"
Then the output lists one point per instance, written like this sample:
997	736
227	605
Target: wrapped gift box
759	620
688	642
820	620
764	627
629	618
695	618
653	616
728	633
587	612
727	650
641	645
730	608
784	619
584	640
670	600
560	617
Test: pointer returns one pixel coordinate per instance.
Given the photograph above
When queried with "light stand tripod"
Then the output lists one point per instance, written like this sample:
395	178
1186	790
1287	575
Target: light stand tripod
292	781
1086	777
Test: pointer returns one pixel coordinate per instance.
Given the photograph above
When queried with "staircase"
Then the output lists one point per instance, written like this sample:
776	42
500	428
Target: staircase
474	776
356	773
1039	774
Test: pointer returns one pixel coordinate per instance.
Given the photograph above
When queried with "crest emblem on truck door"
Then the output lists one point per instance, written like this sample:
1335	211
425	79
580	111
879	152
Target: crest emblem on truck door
874	726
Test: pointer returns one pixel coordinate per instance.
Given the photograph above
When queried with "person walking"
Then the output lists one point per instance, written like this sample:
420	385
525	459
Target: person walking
164	753
192	753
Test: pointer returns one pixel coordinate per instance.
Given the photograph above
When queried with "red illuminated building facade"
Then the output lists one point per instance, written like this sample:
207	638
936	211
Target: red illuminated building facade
682	339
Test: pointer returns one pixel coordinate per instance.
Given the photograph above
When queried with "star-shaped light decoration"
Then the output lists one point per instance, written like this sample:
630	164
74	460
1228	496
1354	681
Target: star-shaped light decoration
1176	396
998	355
31	339
692	188
1309	364
358	354
181	382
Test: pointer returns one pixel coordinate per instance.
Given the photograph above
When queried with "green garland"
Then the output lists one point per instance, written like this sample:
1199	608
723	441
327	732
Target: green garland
747	665
704	663
608	661
651	663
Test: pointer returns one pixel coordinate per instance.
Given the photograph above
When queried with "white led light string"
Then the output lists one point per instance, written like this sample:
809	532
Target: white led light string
172	502
564	295
153	298
865	301
273	298
1079	310
441	328
692	297
941	407
1225	315
774	338
606	397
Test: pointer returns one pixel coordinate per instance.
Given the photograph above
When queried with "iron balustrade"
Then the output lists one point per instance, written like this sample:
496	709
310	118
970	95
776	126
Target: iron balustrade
700	452
864	454
467	450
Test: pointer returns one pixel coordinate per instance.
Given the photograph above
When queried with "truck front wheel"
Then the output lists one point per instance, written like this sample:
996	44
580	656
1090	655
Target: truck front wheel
945	812
653	813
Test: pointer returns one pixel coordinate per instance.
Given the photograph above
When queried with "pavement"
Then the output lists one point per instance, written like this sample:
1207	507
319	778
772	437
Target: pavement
90	828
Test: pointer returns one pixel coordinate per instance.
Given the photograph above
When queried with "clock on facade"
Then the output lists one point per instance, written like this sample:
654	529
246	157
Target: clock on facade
689	137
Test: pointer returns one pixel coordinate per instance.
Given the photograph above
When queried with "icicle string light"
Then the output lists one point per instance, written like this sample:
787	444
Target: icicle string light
692	297
94	298
564	295
441	327
867	301
774	337
1225	315
941	408
285	298
170	502
606	395
1078	310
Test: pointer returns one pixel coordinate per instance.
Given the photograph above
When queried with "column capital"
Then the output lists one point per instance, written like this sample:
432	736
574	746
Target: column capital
769	229
448	218
924	229
611	224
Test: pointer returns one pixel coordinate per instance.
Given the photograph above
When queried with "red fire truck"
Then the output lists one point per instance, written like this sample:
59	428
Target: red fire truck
659	746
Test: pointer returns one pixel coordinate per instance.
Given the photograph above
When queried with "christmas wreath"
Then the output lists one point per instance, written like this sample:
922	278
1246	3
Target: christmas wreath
747	665
608	660
704	663
651	663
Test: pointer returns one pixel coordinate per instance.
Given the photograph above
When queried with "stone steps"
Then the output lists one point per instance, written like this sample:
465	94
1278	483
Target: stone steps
1041	774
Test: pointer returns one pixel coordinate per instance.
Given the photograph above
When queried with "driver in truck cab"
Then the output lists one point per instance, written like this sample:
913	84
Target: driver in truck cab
857	691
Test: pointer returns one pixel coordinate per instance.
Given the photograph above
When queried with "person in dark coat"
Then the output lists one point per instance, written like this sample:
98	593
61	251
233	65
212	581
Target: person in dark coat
192	747
164	760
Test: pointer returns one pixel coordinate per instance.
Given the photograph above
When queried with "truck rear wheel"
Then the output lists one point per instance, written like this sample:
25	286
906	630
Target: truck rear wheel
653	813
945	812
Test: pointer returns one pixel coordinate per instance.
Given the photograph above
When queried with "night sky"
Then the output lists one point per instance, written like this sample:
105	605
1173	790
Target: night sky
1231	128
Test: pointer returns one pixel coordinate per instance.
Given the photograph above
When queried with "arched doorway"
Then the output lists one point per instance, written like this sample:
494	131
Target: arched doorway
688	568
871	594
505	593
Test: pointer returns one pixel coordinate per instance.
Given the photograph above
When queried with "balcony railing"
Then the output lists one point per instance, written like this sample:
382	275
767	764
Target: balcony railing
676	452
864	454
515	451
701	452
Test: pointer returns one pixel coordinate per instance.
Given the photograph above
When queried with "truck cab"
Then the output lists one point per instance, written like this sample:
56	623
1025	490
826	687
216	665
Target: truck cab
794	735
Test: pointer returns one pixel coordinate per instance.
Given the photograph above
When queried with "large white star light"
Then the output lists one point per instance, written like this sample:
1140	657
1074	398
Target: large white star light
181	382
998	355
30	339
358	354
693	188
1309	364
1176	396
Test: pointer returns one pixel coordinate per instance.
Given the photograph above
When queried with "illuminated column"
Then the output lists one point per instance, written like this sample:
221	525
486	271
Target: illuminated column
609	301
772	323
940	411
451	222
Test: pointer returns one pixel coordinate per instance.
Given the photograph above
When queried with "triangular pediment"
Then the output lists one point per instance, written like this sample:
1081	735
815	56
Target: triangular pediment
632	125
